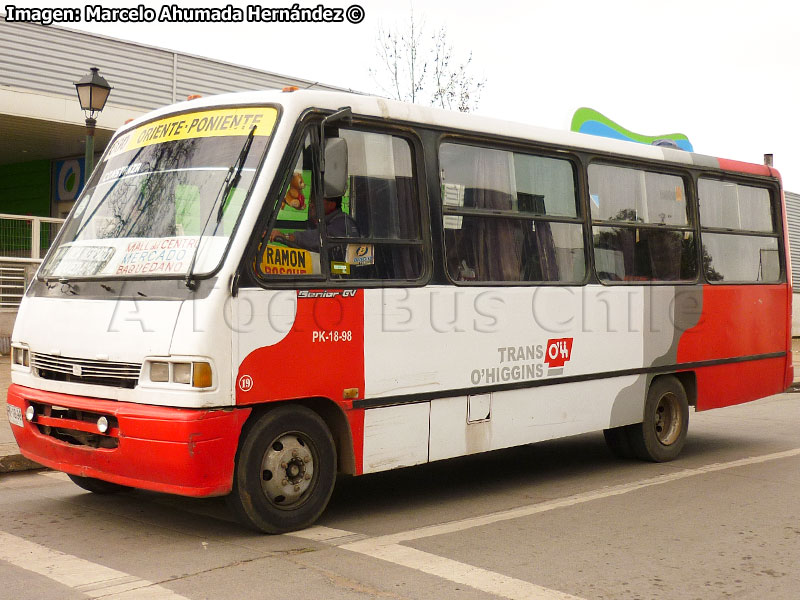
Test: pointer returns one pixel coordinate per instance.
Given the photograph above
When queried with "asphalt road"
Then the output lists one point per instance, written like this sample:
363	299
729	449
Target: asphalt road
560	519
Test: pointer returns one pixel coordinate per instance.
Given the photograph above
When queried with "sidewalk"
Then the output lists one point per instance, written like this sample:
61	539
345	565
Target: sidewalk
10	458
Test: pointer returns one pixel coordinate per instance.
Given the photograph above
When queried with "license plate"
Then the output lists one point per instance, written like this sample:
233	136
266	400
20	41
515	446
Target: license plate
14	415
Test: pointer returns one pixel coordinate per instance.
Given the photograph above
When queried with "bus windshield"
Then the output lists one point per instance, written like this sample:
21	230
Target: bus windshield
165	191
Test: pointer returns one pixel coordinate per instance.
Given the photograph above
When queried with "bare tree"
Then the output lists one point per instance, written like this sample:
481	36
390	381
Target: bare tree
416	67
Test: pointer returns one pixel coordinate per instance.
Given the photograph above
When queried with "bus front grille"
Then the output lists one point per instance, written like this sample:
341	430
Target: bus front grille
81	370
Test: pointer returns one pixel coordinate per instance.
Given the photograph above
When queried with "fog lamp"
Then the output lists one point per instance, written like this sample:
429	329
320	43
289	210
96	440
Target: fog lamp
30	413
102	425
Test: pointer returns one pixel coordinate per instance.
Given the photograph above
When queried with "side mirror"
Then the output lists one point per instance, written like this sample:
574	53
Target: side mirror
335	175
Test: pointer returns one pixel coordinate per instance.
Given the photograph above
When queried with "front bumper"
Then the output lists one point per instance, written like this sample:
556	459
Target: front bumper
189	452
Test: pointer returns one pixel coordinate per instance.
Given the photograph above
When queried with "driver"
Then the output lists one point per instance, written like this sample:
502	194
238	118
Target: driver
337	224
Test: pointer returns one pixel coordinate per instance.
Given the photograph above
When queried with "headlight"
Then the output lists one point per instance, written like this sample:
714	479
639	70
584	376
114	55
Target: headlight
159	371
182	372
20	356
196	374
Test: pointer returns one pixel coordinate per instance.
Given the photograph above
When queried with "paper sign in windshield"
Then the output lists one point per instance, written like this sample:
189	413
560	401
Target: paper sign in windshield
164	255
279	260
81	261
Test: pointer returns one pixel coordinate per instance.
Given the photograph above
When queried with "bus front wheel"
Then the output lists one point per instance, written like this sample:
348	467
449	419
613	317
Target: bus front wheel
662	434
285	471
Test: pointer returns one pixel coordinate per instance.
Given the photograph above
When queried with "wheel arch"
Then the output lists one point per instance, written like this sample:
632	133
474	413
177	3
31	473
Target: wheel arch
333	416
688	379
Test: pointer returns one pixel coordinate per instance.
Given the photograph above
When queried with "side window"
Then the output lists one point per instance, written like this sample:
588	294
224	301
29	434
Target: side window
382	239
293	245
641	225
509	216
740	239
371	232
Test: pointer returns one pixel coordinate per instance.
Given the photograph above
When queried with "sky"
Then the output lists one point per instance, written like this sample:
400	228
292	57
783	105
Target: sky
725	73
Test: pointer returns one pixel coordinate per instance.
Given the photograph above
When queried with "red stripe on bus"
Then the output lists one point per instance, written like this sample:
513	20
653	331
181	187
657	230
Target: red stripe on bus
744	167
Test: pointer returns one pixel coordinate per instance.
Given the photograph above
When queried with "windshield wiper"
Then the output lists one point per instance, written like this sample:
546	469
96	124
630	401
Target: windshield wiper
230	182
233	182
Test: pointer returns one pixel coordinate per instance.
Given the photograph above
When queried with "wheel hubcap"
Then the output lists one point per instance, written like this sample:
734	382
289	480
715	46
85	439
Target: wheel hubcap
668	419
287	470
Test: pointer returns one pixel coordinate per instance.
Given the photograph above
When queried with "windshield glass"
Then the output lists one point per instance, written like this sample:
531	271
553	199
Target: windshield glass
165	190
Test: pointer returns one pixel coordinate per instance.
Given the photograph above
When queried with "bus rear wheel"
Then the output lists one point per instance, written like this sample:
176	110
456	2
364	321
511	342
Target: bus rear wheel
662	434
285	471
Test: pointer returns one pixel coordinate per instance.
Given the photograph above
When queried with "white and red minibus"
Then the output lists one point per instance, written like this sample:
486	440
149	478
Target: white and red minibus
259	291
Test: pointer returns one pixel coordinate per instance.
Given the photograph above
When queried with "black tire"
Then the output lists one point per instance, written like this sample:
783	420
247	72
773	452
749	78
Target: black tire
660	437
97	486
285	471
618	442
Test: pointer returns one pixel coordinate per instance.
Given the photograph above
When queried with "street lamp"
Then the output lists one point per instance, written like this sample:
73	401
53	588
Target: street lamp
93	91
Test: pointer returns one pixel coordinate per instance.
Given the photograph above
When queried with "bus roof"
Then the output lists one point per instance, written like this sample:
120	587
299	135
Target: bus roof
294	102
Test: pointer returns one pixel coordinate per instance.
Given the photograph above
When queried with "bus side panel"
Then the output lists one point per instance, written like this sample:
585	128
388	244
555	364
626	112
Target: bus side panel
396	436
514	353
735	383
525	416
320	355
739	322
438	339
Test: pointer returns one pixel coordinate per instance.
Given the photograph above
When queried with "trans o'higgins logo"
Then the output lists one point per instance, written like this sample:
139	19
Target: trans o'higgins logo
558	353
525	363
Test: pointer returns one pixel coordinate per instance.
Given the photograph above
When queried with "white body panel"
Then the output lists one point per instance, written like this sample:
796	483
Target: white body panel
129	331
396	436
122	330
526	416
446	338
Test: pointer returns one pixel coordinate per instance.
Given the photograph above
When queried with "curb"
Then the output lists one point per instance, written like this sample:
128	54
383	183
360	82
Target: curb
13	463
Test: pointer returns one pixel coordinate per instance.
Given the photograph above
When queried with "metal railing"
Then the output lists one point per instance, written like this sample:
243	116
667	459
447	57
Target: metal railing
23	242
27	237
13	281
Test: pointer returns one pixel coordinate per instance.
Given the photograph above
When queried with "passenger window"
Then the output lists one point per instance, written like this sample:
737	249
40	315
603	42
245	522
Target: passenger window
740	244
499	212
728	205
641	225
623	194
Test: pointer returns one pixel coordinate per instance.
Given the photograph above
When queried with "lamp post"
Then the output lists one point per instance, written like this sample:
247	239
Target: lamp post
93	91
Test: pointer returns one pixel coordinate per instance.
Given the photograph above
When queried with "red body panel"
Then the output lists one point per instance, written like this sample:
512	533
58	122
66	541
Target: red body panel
321	356
178	451
789	376
733	325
